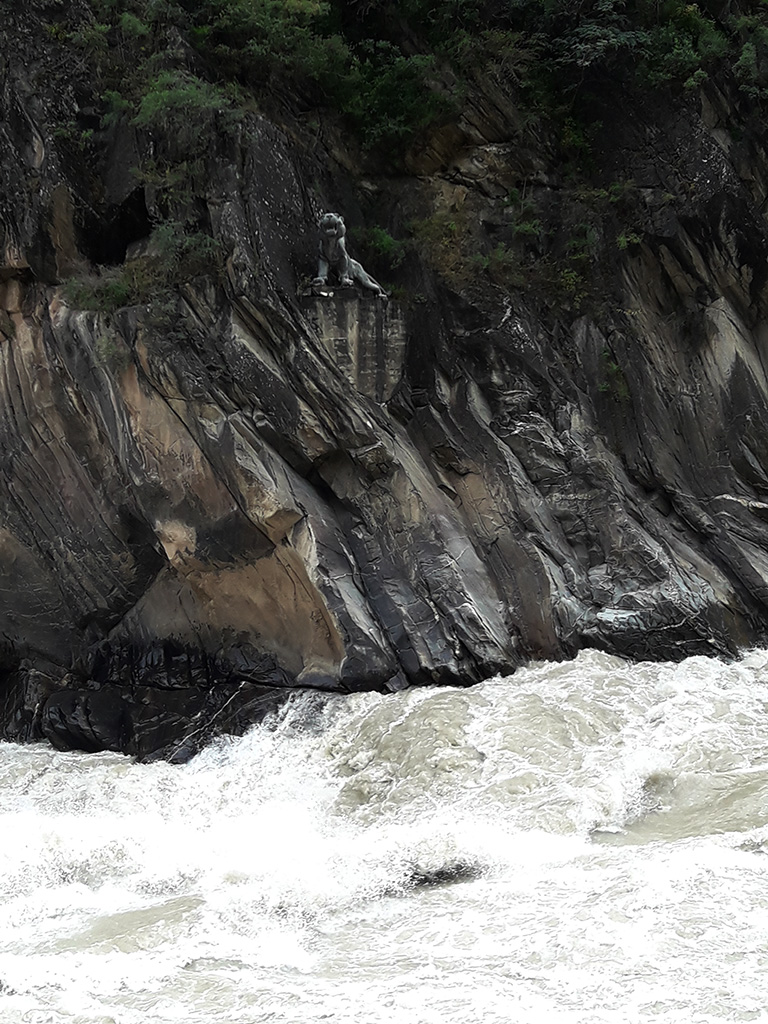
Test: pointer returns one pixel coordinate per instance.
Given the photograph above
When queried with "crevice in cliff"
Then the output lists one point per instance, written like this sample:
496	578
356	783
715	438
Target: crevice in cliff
106	241
9	667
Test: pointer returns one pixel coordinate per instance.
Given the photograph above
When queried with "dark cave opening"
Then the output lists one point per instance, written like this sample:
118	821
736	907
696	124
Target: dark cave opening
106	241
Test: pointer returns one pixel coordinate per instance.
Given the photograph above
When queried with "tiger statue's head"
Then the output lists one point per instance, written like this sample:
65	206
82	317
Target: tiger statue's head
332	226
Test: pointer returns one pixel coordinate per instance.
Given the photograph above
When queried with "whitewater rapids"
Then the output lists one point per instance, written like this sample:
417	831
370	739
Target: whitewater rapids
580	843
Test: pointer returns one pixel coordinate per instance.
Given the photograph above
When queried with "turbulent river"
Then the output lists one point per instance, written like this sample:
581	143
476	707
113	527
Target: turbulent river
577	843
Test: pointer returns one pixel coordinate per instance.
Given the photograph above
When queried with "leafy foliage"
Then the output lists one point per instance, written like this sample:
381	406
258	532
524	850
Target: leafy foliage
172	257
386	96
385	247
384	64
249	38
383	91
184	108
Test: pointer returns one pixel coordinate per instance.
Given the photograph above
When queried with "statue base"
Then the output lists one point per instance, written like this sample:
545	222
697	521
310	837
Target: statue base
364	333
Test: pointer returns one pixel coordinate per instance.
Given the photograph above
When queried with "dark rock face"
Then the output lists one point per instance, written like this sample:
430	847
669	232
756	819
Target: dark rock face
260	492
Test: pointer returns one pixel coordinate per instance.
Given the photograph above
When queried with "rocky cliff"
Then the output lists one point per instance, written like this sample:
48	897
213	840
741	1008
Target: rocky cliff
241	488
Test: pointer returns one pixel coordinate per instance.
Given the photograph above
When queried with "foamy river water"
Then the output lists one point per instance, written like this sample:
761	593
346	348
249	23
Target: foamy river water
577	843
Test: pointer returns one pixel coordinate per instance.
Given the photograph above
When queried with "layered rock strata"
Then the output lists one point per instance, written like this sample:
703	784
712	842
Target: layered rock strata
257	491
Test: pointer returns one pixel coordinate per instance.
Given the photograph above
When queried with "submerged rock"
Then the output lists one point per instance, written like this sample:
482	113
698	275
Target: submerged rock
448	874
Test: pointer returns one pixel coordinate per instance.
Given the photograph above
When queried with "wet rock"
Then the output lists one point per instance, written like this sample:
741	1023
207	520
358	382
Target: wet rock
86	720
447	874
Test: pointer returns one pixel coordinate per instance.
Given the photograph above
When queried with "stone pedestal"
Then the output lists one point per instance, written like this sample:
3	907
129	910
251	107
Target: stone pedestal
364	334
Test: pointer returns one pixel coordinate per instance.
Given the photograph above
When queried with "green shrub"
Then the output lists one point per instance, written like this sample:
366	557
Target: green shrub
751	67
627	238
614	381
133	27
173	256
182	106
252	38
386	95
683	43
116	105
384	246
93	38
528	228
571	286
104	292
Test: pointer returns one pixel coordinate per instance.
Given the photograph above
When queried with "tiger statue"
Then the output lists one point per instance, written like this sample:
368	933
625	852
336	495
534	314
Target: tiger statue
333	255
